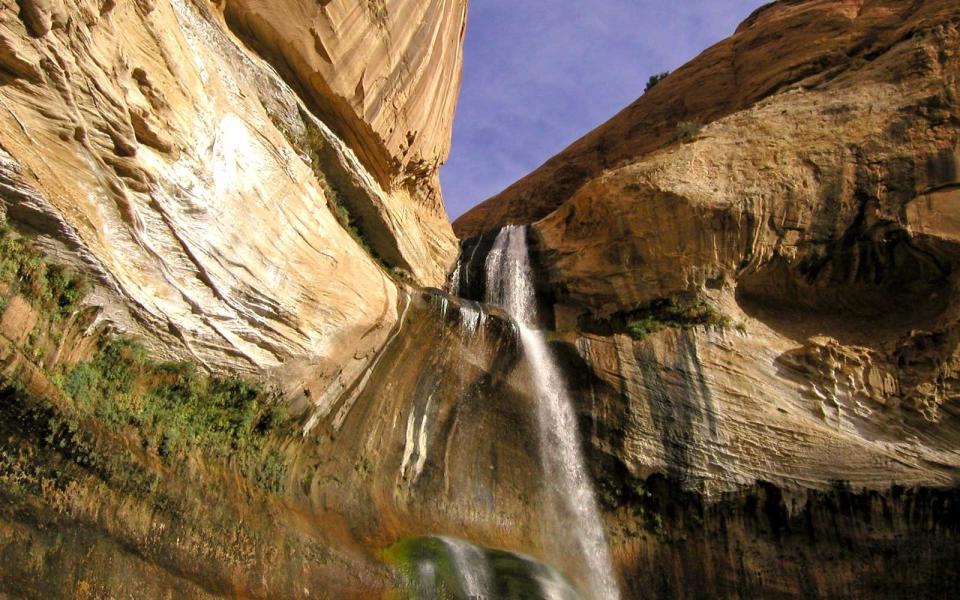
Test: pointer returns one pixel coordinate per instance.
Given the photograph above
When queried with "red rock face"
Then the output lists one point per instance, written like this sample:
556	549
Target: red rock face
747	310
803	177
385	72
785	44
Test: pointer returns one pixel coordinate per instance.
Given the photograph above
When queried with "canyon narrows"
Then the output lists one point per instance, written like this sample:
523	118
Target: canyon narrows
712	349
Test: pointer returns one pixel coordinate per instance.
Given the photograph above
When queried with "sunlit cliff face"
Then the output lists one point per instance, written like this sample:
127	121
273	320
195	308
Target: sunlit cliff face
721	358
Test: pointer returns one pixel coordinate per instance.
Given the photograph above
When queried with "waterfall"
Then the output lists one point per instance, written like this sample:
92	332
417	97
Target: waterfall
452	569
472	568
570	490
427	580
454	283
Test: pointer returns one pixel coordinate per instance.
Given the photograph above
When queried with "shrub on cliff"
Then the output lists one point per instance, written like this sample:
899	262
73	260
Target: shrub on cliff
52	289
175	409
687	131
312	145
654	80
680	311
170	408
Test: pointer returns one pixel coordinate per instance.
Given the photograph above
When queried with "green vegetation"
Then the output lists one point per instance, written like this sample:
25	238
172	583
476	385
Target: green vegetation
47	428
641	328
352	226
687	131
174	410
53	290
408	554
681	311
632	495
516	576
335	199
654	80
512	576
170	408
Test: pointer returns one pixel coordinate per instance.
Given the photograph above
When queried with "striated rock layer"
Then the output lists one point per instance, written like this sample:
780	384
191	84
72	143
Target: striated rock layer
224	221
788	430
440	438
820	223
799	178
384	75
387	73
415	448
782	46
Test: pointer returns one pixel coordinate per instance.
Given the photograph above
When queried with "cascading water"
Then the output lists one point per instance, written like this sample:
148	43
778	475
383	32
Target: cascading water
472	568
570	491
452	569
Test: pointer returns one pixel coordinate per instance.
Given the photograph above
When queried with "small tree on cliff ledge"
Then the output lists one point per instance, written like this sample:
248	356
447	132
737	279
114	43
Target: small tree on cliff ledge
654	80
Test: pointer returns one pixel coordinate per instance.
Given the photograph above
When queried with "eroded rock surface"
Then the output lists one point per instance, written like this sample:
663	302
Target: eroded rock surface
251	182
801	178
387	72
384	74
136	134
808	219
784	45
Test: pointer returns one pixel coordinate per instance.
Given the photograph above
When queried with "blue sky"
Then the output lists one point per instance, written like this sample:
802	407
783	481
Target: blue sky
538	74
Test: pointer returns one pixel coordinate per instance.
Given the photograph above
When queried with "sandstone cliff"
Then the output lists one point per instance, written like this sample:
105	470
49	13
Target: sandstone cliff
756	314
386	74
783	45
819	221
135	133
752	270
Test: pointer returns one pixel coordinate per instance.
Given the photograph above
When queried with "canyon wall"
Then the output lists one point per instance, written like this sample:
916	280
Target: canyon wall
384	74
748	278
819	226
782	46
136	134
437	438
752	275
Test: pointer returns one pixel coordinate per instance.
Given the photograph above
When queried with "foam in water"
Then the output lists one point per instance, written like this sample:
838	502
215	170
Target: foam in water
427	576
553	586
510	285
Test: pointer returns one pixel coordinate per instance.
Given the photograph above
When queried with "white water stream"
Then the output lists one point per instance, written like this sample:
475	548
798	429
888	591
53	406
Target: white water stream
472	568
510	285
